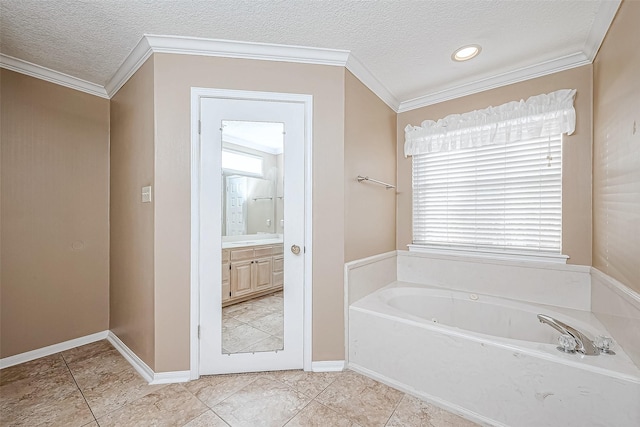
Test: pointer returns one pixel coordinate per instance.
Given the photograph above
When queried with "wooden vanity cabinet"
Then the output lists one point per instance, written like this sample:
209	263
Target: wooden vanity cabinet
251	272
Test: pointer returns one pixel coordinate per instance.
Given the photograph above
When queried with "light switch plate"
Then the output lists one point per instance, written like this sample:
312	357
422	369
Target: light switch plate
146	194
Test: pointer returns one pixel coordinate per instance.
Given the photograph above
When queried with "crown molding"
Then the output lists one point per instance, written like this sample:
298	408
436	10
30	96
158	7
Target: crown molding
246	50
601	24
363	74
526	73
131	64
151	43
52	76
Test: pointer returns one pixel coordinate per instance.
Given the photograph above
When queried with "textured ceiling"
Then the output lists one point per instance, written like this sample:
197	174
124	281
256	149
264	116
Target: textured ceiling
405	44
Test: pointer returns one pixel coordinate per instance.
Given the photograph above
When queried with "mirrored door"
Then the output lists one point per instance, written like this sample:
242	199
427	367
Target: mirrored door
252	234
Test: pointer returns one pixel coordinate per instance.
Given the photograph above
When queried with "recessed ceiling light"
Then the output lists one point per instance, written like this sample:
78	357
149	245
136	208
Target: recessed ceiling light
466	52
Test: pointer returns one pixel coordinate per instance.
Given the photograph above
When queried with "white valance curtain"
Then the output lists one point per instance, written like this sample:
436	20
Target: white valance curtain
538	116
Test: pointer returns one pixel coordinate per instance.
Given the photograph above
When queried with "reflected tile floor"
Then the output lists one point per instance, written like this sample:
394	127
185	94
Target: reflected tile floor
253	325
93	385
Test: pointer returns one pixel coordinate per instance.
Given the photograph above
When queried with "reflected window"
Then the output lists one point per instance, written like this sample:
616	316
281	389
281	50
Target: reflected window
237	162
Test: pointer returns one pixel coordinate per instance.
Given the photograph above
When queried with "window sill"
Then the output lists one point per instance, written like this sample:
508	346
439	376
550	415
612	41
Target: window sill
489	254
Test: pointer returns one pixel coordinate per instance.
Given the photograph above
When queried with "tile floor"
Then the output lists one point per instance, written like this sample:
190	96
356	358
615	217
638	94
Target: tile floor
93	385
254	325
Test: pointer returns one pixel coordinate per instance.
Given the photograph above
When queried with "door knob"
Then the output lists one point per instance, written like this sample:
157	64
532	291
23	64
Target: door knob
295	249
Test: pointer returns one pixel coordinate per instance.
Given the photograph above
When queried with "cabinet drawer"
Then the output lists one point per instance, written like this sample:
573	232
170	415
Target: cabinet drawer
241	254
278	250
263	252
278	263
225	255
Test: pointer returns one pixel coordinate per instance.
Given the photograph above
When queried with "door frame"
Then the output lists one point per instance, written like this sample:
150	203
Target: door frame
197	93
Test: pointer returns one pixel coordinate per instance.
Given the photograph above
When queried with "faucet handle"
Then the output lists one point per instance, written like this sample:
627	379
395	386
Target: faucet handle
605	344
567	343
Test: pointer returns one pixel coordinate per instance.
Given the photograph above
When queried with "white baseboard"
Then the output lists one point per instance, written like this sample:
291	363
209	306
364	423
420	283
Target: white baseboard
138	364
328	366
459	410
143	369
171	377
51	349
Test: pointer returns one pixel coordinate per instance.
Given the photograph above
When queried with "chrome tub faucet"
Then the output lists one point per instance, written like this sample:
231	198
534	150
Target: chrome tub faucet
582	343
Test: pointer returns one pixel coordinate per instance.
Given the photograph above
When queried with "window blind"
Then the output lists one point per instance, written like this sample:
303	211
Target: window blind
506	197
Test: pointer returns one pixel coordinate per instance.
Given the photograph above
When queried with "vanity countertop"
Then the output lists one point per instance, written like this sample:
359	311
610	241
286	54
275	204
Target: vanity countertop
247	243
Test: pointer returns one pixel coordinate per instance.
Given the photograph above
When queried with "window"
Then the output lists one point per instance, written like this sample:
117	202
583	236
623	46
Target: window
491	180
505	197
237	162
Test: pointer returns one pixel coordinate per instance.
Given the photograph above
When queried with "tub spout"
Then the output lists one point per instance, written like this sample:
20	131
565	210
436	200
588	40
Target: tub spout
585	345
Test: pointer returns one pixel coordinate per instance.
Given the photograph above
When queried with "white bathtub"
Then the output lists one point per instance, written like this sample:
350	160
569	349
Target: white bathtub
490	359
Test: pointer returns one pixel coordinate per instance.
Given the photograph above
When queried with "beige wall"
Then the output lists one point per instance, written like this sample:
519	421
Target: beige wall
616	159
54	237
174	77
132	222
369	149
576	154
